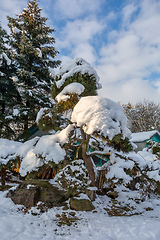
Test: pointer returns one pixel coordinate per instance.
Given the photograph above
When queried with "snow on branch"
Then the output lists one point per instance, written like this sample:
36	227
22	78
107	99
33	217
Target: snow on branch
79	65
73	88
102	115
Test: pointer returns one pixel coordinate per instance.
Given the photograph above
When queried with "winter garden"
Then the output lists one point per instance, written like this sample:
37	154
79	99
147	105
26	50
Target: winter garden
69	166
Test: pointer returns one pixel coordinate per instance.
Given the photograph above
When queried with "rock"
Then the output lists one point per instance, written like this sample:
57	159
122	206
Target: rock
81	204
29	193
112	194
22	195
91	194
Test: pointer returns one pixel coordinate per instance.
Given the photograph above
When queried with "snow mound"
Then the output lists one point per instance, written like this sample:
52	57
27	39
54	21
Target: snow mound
75	87
36	152
100	114
79	65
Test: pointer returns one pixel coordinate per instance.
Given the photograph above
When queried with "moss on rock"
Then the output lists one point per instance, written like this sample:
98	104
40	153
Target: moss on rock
81	204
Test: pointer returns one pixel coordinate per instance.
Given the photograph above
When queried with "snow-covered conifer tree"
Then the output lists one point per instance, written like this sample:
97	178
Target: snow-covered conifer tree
8	93
72	81
101	125
34	55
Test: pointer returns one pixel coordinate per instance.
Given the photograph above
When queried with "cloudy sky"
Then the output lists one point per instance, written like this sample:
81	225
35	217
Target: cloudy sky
120	39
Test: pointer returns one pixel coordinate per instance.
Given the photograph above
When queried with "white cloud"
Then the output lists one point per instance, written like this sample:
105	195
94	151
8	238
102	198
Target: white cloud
133	90
75	8
77	37
134	54
127	13
10	7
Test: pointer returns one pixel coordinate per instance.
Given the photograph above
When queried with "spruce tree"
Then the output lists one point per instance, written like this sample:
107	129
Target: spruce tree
33	55
9	96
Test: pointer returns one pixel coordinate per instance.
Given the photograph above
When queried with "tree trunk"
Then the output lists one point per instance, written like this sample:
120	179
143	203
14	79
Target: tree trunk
87	159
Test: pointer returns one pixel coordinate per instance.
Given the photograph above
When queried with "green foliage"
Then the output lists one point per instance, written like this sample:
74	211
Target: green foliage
33	55
120	144
52	120
46	122
65	107
154	147
9	96
69	104
88	81
73	177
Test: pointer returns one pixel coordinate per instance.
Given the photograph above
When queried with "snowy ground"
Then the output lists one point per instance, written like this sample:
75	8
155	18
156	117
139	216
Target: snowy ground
15	225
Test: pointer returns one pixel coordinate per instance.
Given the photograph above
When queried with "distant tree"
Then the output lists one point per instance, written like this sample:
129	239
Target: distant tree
9	96
143	116
34	55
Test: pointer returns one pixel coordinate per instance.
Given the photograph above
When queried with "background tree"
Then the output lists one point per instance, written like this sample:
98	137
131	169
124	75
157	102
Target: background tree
33	54
9	96
143	116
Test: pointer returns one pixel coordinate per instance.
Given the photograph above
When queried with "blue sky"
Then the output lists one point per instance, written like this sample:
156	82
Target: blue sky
120	39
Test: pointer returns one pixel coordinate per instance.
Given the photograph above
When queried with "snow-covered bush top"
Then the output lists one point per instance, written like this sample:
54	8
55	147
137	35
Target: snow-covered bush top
79	65
35	152
71	88
74	175
100	114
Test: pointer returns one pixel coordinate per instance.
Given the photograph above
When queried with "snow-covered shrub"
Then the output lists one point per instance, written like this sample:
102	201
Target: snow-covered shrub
153	147
77	71
40	151
132	178
73	177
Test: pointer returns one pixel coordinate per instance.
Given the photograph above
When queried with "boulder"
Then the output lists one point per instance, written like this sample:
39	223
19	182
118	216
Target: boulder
81	204
30	192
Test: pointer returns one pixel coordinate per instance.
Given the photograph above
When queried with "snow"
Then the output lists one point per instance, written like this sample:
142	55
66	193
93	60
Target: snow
71	88
6	58
37	151
15	112
154	174
15	30
116	170
39	52
100	114
16	225
7	149
147	155
15	79
143	136
40	114
79	65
